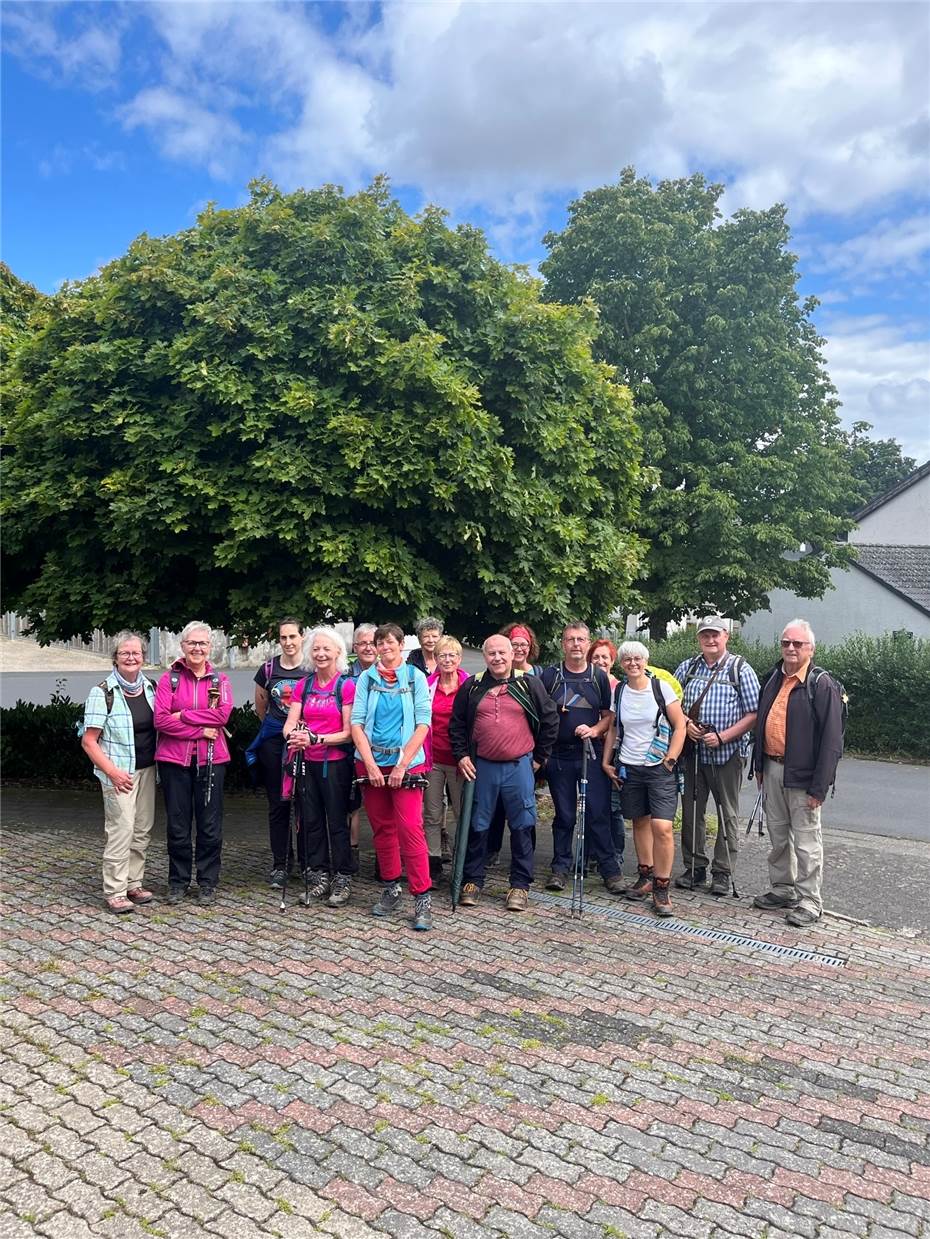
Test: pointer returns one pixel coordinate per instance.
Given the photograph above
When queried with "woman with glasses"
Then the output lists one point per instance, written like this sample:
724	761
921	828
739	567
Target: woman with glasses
650	726
119	738
429	631
192	706
444	777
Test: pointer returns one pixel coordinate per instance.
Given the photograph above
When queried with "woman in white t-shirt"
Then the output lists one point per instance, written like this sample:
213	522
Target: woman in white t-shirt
652	729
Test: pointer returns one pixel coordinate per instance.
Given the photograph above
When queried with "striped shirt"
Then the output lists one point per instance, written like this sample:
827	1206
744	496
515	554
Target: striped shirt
723	706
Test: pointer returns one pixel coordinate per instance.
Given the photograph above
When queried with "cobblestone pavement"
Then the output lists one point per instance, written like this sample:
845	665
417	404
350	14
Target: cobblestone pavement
231	1070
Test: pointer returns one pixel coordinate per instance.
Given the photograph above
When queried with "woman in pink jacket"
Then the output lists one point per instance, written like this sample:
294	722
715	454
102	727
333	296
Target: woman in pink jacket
192	705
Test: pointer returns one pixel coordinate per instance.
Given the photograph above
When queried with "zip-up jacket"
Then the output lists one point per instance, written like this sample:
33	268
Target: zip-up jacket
530	695
181	740
813	737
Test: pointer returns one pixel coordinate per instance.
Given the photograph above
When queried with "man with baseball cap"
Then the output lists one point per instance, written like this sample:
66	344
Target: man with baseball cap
720	699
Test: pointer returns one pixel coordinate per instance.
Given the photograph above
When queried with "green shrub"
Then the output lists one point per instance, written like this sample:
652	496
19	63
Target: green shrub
39	744
887	680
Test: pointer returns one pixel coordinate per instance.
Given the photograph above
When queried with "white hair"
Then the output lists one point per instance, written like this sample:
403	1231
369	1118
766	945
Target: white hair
342	657
633	649
495	636
372	628
801	623
196	626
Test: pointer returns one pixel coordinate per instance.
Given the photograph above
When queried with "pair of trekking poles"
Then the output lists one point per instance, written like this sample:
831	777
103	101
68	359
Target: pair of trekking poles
298	765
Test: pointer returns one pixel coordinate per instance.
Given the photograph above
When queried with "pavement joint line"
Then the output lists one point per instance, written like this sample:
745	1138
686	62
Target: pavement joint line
674	925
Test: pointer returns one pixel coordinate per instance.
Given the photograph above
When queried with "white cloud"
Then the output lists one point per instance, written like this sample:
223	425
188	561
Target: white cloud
882	373
61	160
90	53
890	247
184	130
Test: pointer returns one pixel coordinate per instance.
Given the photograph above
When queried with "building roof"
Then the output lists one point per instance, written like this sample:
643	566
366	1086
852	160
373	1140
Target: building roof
903	569
911	478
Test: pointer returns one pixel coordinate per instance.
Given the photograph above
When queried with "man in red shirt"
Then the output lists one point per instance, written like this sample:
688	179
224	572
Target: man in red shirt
502	730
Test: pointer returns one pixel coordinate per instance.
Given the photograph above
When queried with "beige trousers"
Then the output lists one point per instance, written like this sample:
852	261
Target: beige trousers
127	822
434	812
796	858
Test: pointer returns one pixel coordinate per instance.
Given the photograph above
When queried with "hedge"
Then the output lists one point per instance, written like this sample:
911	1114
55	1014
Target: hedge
887	680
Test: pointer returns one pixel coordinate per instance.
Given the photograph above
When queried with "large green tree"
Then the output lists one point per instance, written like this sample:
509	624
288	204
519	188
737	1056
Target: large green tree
876	464
700	316
315	404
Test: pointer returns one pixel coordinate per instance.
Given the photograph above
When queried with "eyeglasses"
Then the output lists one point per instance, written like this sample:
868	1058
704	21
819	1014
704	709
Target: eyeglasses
633	658
447	655
520	645
795	645
197	645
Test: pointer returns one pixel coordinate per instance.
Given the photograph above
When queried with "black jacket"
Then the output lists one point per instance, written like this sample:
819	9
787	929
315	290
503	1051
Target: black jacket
813	736
538	706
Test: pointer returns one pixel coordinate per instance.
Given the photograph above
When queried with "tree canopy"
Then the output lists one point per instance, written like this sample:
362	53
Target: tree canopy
877	465
314	404
701	317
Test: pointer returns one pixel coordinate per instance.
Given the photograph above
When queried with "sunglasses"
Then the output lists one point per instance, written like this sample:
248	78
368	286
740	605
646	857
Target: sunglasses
794	645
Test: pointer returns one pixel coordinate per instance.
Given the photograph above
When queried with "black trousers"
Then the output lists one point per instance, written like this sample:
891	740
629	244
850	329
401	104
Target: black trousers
184	788
279	811
323	837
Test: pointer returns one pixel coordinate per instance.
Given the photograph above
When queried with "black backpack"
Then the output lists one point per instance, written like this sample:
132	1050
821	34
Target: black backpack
661	703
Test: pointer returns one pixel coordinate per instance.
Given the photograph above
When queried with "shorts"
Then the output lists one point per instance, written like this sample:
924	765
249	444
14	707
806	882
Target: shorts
650	791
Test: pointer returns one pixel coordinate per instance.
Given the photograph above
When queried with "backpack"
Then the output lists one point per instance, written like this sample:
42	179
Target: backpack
558	683
662	711
734	670
107	697
814	676
348	746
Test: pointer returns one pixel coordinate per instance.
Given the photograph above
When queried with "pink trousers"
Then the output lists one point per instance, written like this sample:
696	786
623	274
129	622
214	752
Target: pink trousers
396	818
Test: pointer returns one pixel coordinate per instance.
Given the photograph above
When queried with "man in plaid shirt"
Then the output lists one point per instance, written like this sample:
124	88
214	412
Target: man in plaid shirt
727	689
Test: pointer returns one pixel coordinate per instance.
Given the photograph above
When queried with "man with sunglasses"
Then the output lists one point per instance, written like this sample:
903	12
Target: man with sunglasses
798	742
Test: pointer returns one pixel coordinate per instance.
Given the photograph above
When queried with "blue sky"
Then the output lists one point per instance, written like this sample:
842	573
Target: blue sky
122	118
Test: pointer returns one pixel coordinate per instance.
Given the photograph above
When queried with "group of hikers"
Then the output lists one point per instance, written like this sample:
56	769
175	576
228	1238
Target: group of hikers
404	737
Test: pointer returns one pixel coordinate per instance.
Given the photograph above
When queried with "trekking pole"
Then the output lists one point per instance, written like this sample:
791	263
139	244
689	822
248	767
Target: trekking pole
213	700
577	906
756	809
294	820
694	799
721	825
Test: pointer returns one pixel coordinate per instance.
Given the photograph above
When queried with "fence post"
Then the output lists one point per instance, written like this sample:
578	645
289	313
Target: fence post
154	647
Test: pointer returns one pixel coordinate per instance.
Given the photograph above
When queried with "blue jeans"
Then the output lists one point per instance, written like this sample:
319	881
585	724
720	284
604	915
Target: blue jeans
511	783
564	774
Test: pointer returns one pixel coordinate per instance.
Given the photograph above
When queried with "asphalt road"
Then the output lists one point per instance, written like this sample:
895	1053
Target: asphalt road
872	797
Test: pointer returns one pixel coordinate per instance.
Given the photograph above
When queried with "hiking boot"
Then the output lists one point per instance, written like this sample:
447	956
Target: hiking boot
120	904
720	885
318	884
615	884
390	898
423	912
176	893
517	899
139	894
801	918
556	882
470	895
208	894
770	902
642	887
339	891
661	904
684	882
277	879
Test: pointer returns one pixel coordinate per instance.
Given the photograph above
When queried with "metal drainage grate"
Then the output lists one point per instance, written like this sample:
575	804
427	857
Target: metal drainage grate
695	931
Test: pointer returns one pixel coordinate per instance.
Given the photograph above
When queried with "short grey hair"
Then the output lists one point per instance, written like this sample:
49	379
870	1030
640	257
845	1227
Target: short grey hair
576	626
127	634
633	649
495	636
801	623
428	624
196	626
372	628
342	657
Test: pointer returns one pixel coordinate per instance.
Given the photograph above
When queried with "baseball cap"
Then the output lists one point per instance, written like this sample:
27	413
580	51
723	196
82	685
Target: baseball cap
712	622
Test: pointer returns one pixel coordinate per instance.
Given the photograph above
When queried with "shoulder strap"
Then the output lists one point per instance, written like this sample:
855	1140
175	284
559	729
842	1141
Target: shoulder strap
107	694
268	669
659	695
175	680
690	670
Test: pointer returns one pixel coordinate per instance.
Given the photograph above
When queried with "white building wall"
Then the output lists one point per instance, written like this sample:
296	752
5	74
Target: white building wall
855	604
902	521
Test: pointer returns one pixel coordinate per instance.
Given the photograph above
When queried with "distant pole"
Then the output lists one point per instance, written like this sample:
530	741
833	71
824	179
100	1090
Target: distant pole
154	647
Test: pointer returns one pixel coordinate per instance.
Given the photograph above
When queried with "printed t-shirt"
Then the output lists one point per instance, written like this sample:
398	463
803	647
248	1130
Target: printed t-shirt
322	715
279	685
143	730
638	708
501	732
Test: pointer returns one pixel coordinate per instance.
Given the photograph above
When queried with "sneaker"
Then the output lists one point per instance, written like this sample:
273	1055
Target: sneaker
661	904
801	918
277	879
615	884
390	898
176	893
517	899
339	891
770	902
684	882
642	887
471	893
120	904
208	894
318	884
139	894
556	882
445	845
423	912
720	885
